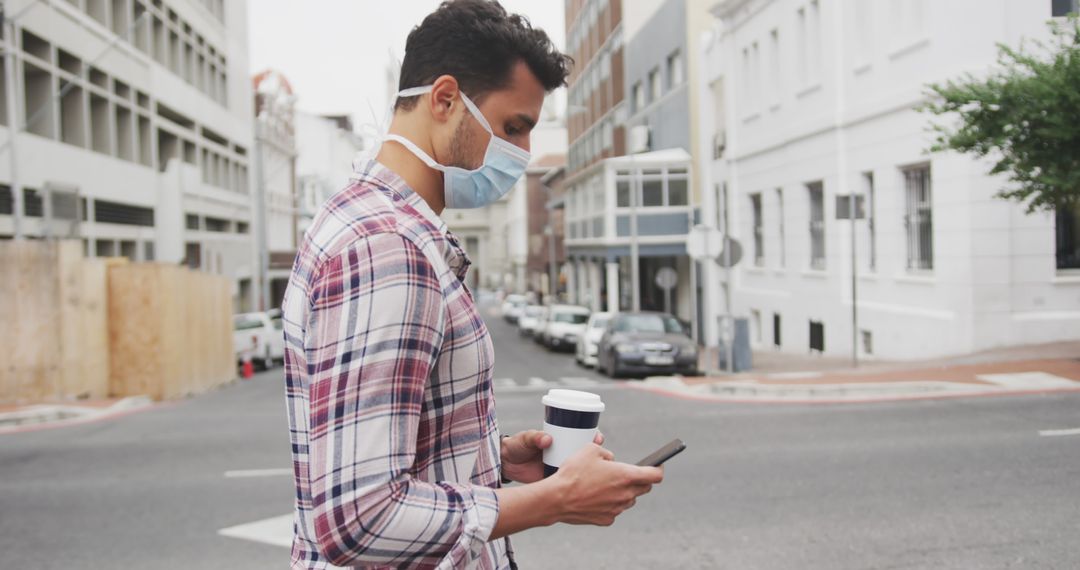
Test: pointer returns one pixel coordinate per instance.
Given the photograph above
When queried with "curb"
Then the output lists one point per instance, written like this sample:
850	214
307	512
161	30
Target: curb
859	393
50	416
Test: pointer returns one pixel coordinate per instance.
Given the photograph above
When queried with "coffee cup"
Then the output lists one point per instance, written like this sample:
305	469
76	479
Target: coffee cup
571	418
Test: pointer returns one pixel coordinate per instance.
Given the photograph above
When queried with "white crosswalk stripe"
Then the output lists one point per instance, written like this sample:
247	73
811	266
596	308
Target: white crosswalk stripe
538	384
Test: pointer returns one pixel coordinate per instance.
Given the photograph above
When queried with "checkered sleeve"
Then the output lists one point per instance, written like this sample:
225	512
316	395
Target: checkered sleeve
374	333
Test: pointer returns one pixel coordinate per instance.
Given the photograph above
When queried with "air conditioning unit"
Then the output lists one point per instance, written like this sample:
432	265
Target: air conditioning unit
639	139
719	145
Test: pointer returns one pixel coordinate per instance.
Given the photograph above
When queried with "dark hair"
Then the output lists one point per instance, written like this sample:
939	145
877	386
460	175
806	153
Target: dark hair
478	43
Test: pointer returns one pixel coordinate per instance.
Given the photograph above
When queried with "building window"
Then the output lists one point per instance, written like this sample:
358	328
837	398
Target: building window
638	102
871	220
776	330
817	225
867	342
809	20
1067	236
780	219
864	22
192	222
677	192
674	70
775	77
655	87
1060	8
759	238
907	21
652	192
622	193
918	219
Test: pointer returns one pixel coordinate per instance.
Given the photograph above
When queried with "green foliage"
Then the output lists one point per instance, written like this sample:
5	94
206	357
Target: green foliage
1025	116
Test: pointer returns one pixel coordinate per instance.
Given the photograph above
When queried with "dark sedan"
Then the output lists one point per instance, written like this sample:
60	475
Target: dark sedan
646	343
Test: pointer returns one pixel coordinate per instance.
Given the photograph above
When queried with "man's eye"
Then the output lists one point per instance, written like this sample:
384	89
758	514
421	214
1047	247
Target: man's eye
512	131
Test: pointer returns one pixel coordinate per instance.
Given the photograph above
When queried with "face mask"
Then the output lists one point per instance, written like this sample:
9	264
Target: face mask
504	164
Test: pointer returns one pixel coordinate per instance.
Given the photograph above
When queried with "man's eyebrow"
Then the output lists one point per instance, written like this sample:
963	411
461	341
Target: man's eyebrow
529	121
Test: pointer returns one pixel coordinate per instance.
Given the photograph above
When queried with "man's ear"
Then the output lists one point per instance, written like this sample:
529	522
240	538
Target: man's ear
444	98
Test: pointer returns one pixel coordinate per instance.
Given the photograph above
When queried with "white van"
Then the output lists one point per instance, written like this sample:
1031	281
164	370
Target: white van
563	327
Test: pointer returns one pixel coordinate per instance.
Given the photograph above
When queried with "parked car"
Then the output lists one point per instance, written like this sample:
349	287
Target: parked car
646	343
259	336
565	324
530	318
588	342
512	307
541	324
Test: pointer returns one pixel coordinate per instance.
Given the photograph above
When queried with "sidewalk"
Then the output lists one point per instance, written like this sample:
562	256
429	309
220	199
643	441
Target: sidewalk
44	415
779	377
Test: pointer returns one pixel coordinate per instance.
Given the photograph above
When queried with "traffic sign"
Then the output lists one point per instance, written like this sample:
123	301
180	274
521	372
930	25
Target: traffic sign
667	278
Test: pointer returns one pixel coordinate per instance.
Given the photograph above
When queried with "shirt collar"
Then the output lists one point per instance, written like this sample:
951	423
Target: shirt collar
371	169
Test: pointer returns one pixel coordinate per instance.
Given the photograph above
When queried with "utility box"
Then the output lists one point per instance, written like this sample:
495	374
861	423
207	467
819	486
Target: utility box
741	355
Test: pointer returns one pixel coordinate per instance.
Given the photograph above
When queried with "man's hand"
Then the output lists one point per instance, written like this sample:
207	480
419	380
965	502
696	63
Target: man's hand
595	489
522	455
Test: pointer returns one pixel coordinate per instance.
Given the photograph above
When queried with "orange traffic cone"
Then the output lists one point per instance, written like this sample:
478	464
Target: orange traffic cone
247	370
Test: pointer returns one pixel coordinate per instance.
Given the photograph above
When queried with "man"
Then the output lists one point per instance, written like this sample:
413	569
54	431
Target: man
396	451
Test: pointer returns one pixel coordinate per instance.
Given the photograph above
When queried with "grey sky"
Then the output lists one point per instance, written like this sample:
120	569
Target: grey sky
335	52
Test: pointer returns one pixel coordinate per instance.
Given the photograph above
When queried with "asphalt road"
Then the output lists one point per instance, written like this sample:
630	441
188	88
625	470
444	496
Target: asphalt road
929	484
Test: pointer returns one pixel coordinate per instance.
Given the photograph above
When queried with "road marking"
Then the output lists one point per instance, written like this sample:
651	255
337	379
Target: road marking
535	382
1059	432
1028	380
504	383
277	531
241	473
580	382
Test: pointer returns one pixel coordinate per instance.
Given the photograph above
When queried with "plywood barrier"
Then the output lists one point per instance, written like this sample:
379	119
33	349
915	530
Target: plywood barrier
170	331
92	328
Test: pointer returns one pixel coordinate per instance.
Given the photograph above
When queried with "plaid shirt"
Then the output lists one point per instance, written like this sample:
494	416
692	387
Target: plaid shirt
388	367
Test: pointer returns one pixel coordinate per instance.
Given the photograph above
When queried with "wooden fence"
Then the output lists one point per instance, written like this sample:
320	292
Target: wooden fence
93	328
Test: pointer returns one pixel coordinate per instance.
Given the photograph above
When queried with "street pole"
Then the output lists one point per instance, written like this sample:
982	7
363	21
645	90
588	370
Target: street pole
635	277
11	92
854	292
262	251
552	279
729	341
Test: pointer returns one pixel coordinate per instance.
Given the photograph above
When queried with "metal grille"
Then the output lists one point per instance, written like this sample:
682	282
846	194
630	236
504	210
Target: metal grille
123	214
817	225
918	220
817	336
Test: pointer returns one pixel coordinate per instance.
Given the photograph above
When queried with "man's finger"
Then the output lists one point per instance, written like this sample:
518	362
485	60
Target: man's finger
599	439
539	439
647	475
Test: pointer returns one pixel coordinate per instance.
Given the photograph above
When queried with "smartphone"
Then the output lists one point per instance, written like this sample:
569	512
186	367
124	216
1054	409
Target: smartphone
658	457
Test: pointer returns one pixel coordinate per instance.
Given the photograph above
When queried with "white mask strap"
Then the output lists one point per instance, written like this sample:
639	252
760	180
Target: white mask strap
417	151
414	91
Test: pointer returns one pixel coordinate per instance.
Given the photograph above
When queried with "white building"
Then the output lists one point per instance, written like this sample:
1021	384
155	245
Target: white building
134	130
327	146
813	100
277	227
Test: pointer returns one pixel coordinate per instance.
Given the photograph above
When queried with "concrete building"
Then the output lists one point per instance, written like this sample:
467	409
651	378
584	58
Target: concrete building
327	146
277	228
544	223
812	102
629	215
133	131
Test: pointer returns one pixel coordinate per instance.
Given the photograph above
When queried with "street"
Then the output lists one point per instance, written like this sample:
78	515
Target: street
960	483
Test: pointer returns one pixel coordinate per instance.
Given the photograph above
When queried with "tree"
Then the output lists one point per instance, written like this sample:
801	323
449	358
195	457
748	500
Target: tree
1025	116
